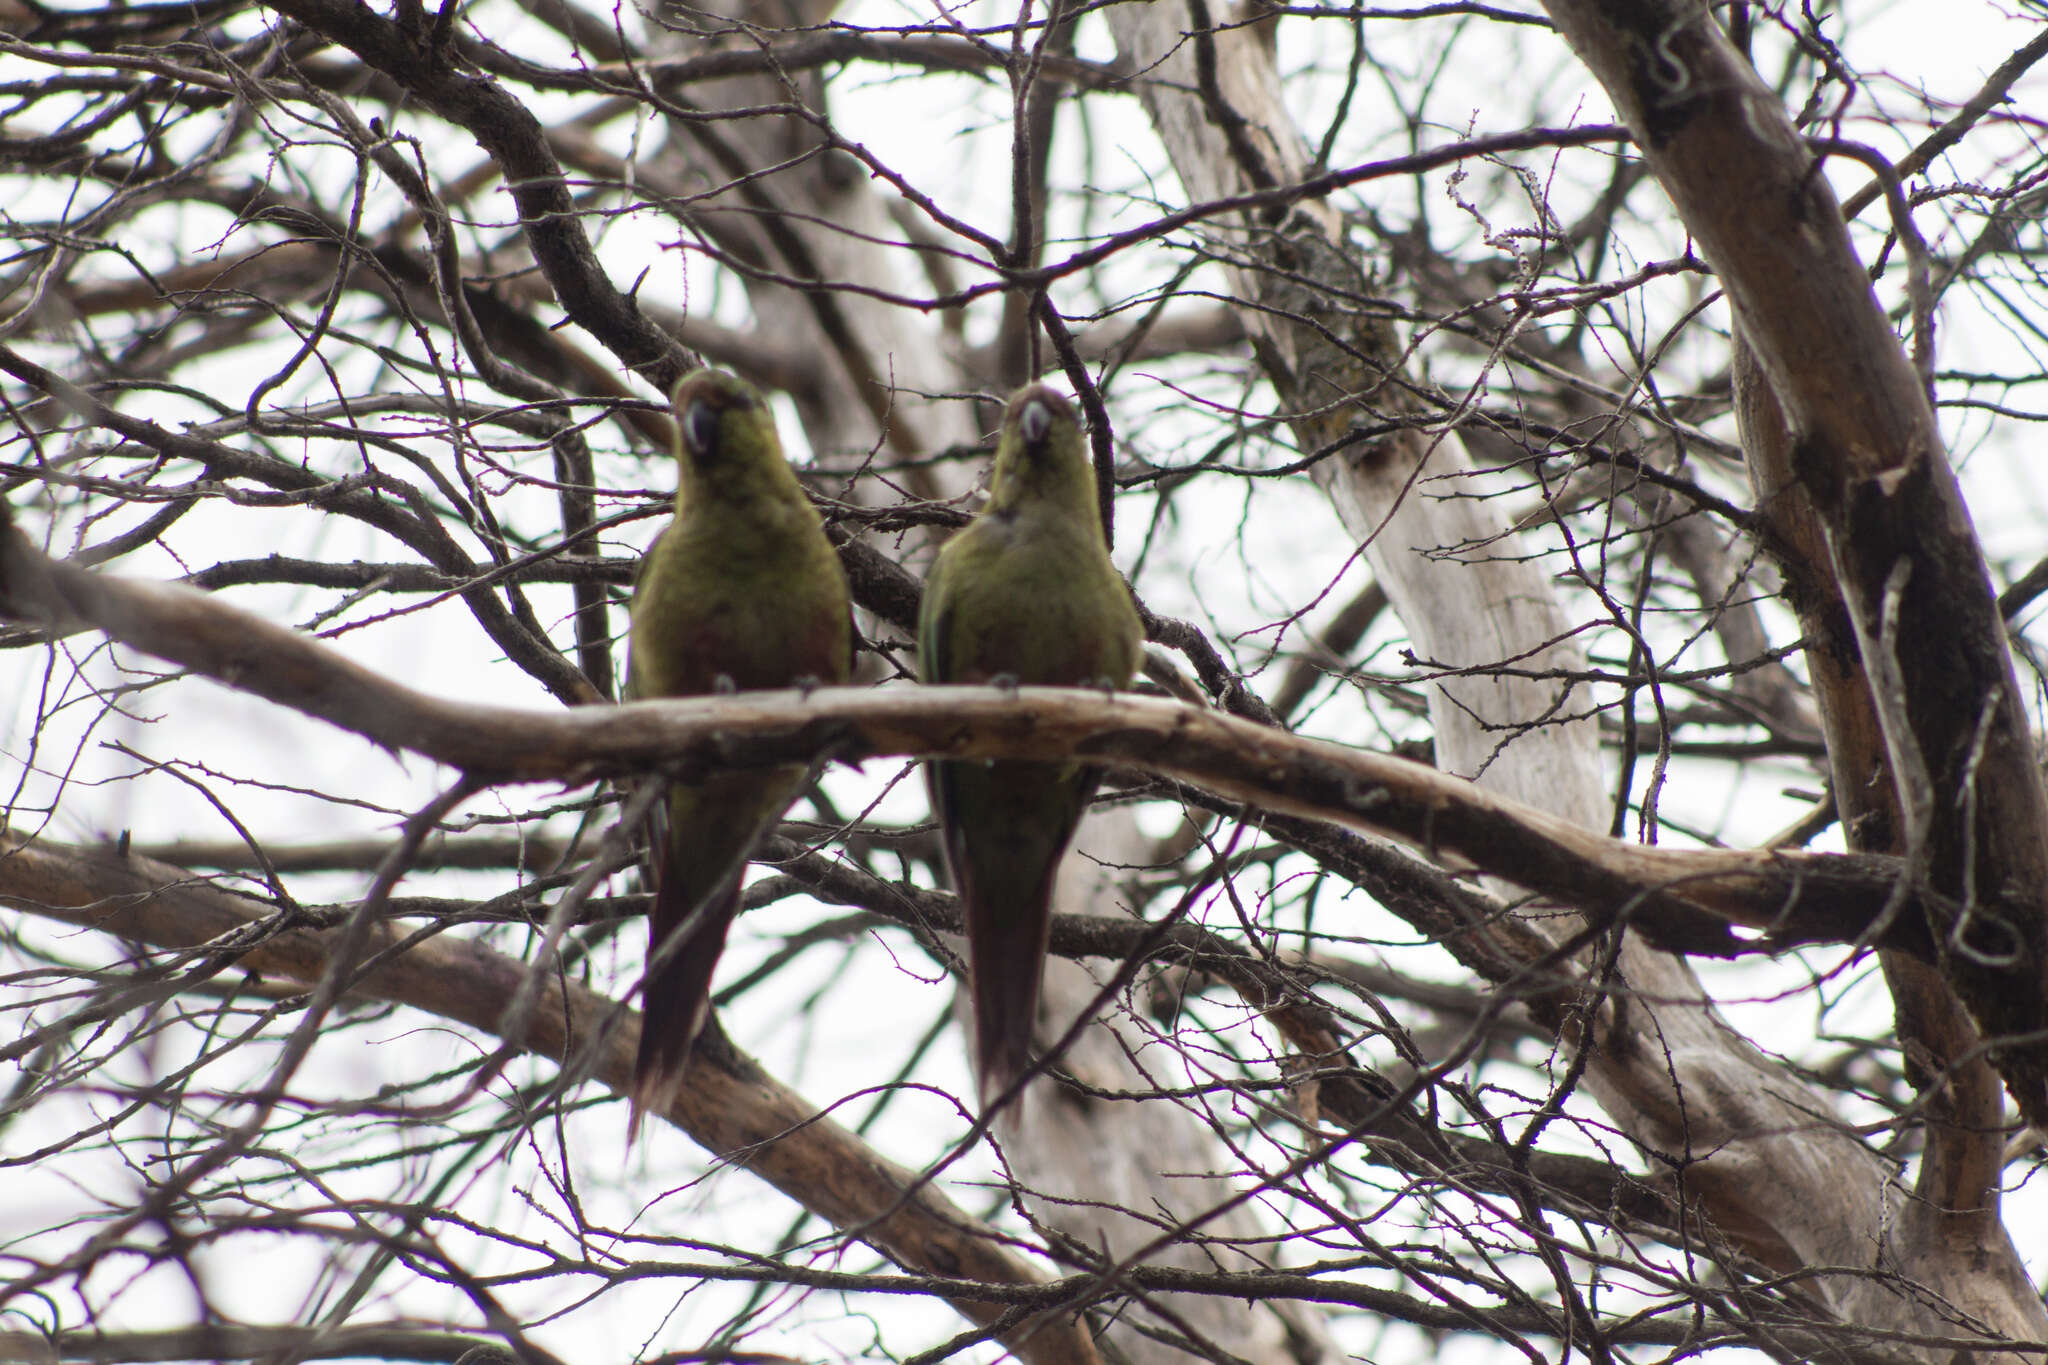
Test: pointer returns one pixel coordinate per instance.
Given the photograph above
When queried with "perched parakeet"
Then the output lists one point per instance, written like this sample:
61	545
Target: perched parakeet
1026	593
741	591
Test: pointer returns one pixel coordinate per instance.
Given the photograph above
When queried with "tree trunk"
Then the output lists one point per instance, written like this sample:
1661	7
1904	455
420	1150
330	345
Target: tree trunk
1795	1192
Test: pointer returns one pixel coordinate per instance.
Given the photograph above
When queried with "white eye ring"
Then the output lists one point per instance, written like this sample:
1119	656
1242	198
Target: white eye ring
700	428
1035	421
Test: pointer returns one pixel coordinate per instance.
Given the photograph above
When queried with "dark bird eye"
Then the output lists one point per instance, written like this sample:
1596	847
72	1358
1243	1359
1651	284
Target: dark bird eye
700	428
1035	422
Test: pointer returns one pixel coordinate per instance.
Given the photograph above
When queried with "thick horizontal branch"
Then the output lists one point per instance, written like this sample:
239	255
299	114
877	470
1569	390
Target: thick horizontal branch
1686	899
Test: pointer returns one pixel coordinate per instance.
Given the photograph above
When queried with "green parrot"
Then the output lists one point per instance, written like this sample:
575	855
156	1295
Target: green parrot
741	591
1025	594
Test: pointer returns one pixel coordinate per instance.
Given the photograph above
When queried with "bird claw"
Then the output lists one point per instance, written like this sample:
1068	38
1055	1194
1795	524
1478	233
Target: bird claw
807	684
723	685
1005	682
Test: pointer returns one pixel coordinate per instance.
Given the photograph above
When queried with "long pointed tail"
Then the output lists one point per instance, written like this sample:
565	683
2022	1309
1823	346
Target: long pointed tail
1006	829
1006	936
677	996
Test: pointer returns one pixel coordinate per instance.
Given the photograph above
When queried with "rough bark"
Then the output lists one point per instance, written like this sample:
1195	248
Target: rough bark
1864	448
1931	751
1794	1191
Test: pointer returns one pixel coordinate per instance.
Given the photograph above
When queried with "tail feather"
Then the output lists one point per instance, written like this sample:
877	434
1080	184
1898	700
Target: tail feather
1006	828
676	998
705	836
1006	938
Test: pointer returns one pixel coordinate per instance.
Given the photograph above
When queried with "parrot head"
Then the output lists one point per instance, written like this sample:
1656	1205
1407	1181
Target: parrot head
725	437
1041	458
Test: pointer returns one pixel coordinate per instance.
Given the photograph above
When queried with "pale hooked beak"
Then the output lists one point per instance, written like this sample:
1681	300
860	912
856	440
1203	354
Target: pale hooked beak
1035	421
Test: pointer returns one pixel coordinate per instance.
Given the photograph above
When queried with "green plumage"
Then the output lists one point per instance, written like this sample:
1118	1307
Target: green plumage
741	591
1026	593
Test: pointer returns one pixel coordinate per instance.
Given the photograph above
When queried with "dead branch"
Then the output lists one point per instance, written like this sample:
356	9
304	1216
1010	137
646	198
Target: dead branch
1685	898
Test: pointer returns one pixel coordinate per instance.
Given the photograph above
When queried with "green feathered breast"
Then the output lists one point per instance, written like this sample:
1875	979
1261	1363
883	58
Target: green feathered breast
742	591
1027	593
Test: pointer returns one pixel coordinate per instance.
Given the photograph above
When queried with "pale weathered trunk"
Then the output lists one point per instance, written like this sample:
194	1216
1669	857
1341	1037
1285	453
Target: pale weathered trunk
1778	1179
1117	1175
